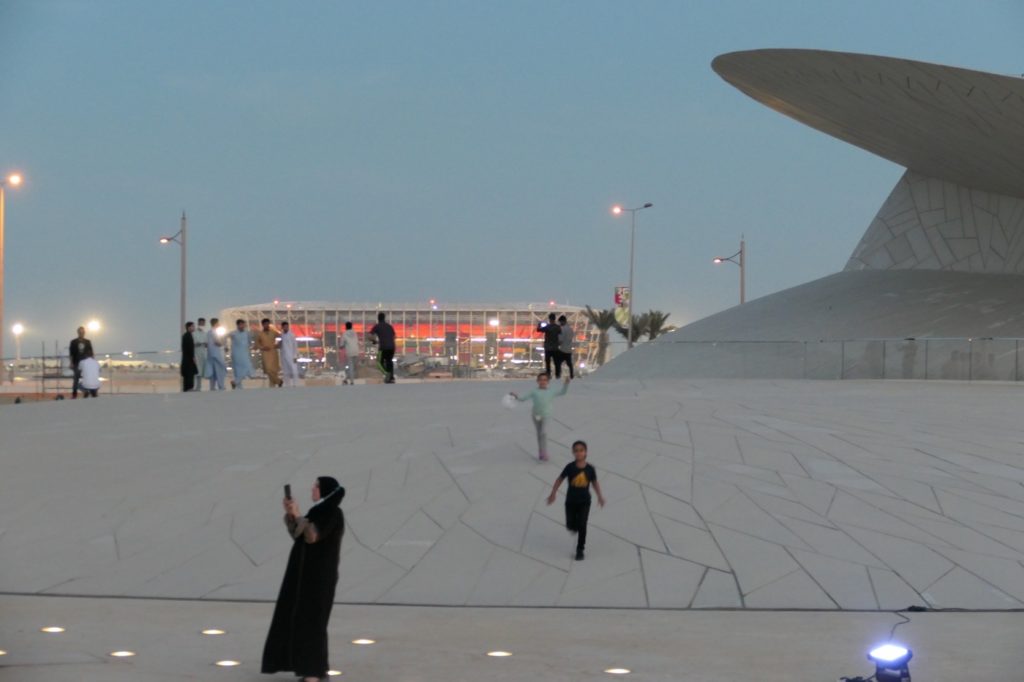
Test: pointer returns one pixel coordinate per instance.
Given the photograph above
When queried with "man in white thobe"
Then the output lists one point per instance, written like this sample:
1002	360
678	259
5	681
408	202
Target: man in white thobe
289	356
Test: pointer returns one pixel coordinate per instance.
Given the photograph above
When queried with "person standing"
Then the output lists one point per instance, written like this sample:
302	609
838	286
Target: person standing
385	334
216	365
199	340
241	362
188	358
289	355
77	350
350	342
566	338
89	373
542	399
297	640
580	475
551	330
266	342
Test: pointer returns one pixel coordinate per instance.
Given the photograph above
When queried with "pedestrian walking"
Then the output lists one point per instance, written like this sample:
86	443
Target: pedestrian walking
581	475
551	331
241	362
201	344
297	641
566	340
350	341
77	351
266	342
289	355
385	334
188	358
216	365
542	398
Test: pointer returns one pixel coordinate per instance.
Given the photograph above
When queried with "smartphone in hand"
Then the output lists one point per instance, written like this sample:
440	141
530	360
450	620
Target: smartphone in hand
287	491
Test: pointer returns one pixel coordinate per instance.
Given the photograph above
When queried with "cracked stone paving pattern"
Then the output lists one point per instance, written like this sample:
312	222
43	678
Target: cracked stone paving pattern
756	494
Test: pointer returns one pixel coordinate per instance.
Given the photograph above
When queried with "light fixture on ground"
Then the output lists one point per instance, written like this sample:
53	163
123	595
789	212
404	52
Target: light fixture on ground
228	663
122	654
333	673
618	671
739	258
11	180
213	631
179	238
18	329
51	629
499	654
2	652
891	662
618	210
364	641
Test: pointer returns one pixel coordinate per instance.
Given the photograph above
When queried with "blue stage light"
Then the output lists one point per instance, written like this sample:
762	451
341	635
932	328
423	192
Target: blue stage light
891	662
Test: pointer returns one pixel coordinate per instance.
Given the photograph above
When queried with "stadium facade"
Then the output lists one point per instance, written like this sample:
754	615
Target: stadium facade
457	338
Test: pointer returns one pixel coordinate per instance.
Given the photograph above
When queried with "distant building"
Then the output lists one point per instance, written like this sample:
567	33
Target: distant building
460	338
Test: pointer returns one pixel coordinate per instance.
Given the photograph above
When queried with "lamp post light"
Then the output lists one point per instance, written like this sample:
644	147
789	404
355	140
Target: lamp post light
11	180
739	258
180	238
18	329
618	210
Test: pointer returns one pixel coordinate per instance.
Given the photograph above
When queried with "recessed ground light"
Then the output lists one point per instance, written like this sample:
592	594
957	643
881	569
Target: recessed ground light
213	631
333	673
2	652
499	654
618	671
51	629
364	641
122	654
228	663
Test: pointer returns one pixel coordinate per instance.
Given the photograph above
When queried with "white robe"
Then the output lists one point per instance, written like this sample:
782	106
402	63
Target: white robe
289	355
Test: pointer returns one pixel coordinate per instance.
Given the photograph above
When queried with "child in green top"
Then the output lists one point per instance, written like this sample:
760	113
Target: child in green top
542	399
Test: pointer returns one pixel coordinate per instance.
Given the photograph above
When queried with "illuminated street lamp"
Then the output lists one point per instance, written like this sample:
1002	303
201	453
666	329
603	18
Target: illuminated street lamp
93	326
11	180
739	258
618	210
179	237
18	329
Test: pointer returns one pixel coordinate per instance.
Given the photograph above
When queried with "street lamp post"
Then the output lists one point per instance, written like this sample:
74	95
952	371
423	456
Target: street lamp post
180	237
618	210
18	329
739	258
12	180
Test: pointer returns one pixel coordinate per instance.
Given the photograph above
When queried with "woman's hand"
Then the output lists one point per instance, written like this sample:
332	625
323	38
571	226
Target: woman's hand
291	507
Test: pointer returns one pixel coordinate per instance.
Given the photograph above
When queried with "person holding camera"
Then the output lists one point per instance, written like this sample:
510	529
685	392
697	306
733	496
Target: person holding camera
297	641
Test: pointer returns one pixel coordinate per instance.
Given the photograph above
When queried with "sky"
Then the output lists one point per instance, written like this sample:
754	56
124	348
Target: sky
463	151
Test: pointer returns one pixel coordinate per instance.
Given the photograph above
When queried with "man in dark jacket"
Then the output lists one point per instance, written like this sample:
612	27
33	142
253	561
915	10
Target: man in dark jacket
78	349
188	358
385	334
551	332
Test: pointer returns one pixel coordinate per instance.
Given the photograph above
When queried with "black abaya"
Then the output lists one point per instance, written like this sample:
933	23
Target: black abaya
297	640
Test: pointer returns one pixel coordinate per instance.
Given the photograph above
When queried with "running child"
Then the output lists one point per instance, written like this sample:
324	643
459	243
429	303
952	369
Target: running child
542	399
577	499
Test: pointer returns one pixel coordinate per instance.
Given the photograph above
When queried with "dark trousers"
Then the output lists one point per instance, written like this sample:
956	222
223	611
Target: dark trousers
74	384
550	355
188	382
387	361
90	392
576	514
567	359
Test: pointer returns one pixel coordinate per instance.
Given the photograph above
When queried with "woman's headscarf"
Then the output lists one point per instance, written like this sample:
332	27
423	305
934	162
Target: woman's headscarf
331	494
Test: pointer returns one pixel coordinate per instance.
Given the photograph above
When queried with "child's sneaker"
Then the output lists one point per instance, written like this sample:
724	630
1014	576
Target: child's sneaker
542	456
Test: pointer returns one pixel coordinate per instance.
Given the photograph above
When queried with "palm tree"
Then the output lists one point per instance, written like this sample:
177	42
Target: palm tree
656	324
603	320
637	329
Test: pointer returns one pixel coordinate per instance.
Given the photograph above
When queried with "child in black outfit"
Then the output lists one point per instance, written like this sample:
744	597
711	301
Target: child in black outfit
577	499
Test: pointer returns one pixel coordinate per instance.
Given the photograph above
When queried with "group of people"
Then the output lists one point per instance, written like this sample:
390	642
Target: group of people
203	354
84	367
559	338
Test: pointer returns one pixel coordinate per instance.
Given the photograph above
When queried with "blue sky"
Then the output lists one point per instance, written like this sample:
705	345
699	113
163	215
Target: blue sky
401	151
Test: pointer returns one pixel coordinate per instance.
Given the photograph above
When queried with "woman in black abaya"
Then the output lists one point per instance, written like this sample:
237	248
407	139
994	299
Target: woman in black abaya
297	640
